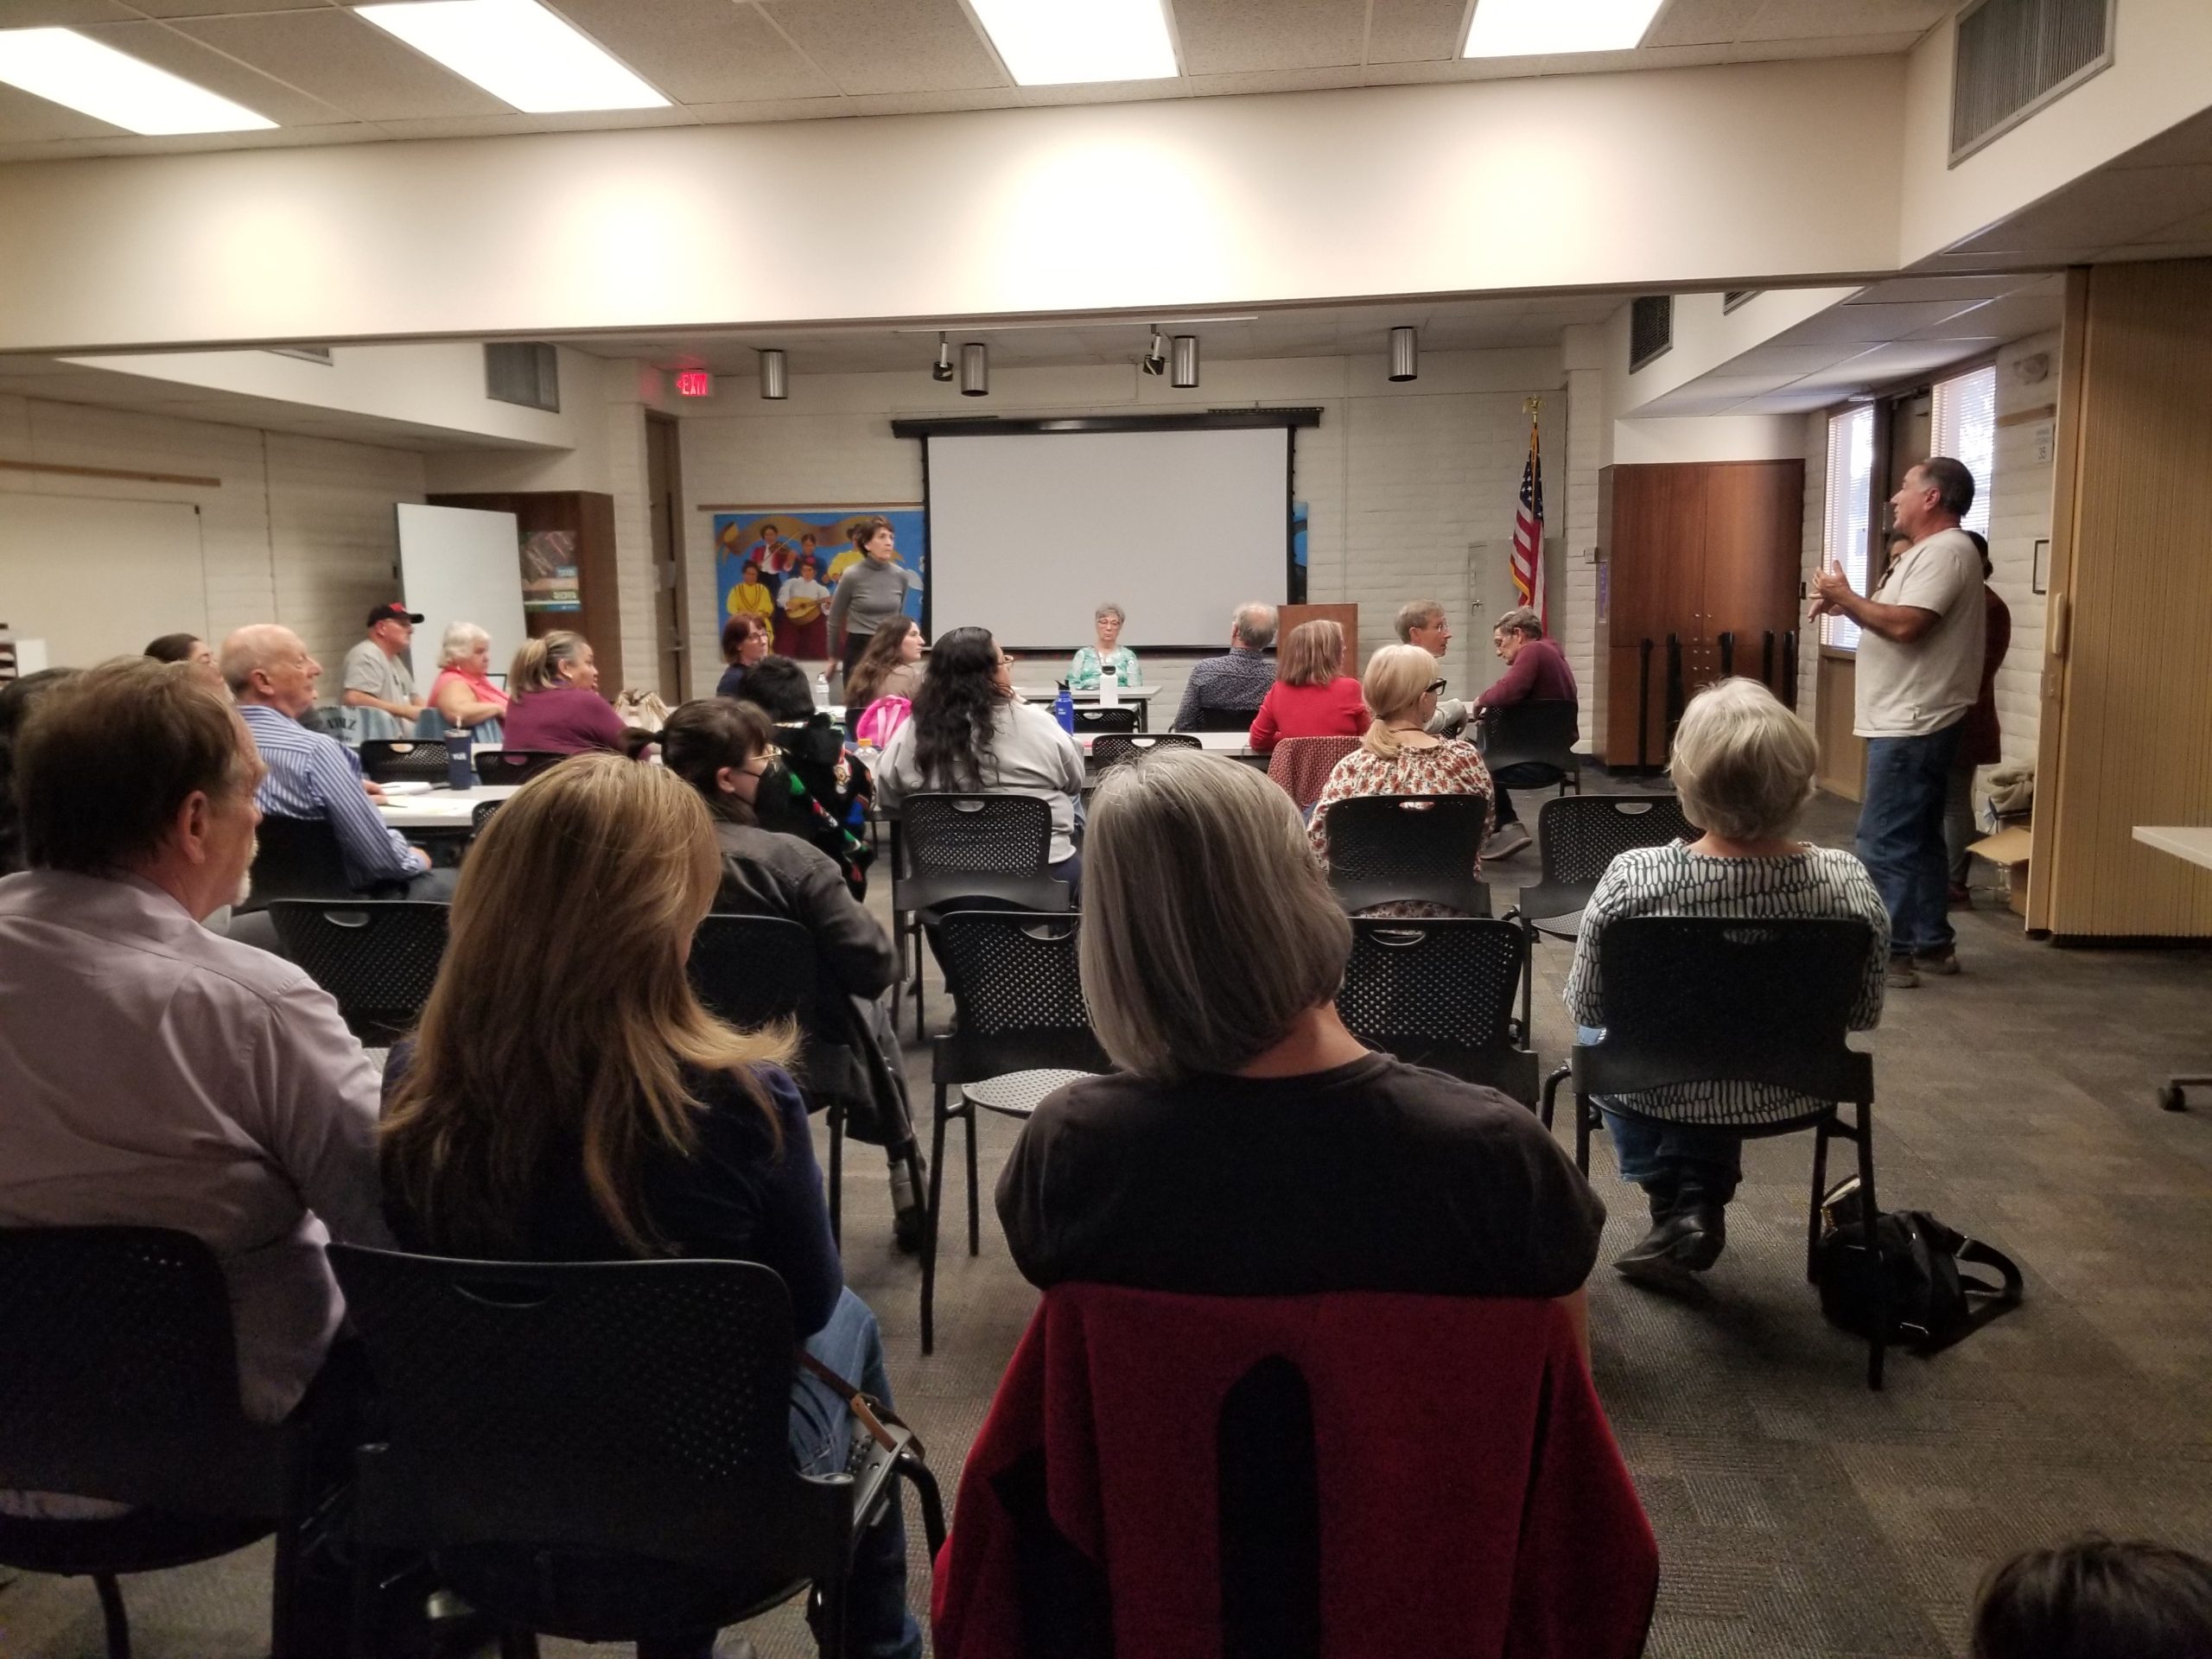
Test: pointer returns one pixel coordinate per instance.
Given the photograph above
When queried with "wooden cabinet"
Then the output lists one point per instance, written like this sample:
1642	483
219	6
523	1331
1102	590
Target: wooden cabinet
589	517
1705	552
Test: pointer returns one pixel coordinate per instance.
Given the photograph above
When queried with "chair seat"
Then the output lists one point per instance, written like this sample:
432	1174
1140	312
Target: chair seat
1018	1093
138	1541
944	892
1555	908
1463	895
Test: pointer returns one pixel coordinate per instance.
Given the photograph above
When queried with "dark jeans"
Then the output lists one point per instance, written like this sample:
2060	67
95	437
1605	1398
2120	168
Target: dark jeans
1069	870
1671	1157
1901	836
1530	774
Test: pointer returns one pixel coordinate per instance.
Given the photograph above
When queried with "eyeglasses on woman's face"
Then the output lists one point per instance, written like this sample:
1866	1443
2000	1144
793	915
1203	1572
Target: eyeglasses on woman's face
1435	688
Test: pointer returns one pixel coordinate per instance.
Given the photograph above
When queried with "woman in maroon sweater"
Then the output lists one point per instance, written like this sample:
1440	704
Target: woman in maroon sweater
1312	696
557	708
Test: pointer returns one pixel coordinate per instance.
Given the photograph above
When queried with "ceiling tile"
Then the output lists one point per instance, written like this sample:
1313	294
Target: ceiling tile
1868	323
988	98
2178	146
1277	81
1785	48
203	66
2101	211
700	51
1700	22
1786	362
26	120
336	57
675	115
868	46
460	126
1406	31
1226	37
1799	19
774	108
1965	289
1636	58
2012	317
223	8
1107	92
62	14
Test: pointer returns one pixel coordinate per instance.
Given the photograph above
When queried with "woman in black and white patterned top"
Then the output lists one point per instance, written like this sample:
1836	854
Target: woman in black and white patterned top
1743	765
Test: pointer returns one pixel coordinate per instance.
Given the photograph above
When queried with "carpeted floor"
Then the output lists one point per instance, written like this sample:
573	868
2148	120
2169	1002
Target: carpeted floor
1797	1513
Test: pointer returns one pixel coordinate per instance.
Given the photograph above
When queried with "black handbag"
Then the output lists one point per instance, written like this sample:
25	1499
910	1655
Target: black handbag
1930	1301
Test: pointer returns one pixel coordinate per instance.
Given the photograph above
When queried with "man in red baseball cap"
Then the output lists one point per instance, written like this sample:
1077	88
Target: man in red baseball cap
377	680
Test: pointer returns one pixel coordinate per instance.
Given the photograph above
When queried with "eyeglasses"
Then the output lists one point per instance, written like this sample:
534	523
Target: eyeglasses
1437	686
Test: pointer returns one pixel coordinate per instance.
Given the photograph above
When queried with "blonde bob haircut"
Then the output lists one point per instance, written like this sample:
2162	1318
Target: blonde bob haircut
1313	655
1743	764
1207	926
562	1025
1396	676
536	666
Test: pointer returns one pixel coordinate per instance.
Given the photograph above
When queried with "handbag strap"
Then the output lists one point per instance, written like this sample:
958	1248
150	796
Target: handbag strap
1988	1256
872	1414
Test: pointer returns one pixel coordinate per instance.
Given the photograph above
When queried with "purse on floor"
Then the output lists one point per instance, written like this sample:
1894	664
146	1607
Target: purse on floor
1931	1300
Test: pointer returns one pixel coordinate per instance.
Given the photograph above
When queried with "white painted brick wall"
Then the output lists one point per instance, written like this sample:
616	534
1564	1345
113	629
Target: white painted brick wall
1573	572
300	530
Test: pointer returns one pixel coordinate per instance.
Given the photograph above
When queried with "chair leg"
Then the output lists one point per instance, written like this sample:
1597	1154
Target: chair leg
1585	1116
1551	1093
1822	1131
1528	986
974	1198
929	1228
921	1019
112	1615
837	1176
1868	1210
899	972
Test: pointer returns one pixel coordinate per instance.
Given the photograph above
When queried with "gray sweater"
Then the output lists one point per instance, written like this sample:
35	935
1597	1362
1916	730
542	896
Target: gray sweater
1029	754
869	595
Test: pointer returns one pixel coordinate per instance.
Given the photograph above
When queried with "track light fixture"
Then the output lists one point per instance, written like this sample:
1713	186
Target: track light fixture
975	370
941	370
1405	354
1187	361
775	375
1154	360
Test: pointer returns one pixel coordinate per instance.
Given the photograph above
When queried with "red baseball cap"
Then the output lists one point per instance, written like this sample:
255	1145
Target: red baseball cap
394	612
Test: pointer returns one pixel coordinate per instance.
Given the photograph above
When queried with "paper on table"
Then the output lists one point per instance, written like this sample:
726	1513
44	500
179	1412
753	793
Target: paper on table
411	787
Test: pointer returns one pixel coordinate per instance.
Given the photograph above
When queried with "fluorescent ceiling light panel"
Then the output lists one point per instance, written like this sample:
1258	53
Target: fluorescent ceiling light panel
517	51
1528	28
64	67
1056	42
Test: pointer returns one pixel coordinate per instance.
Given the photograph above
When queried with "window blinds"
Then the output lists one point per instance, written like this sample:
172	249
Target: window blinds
1850	503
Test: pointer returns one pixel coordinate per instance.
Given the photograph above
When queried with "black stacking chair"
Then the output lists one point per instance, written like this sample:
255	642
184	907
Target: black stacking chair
514	766
1114	747
1387	848
1210	719
1020	1029
296	858
1539	733
1577	839
378	956
403	760
545	1419
1090	720
481	816
122	1383
755	970
977	852
1714	999
1439	994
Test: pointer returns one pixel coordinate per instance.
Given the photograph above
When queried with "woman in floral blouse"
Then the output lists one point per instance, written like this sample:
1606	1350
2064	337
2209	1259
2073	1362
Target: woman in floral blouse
1398	757
1090	661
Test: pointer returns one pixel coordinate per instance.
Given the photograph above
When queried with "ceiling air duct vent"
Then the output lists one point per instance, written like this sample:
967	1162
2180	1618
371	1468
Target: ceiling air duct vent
1650	329
517	371
2015	56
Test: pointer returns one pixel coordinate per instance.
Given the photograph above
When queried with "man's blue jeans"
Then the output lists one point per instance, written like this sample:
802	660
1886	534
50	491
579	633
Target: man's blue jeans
1901	836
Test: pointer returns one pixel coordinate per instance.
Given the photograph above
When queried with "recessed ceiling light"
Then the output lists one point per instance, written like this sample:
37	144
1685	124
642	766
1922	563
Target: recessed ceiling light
517	51
67	67
1055	43
1524	29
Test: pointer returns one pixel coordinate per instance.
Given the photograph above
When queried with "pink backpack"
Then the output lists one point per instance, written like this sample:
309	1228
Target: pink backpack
881	719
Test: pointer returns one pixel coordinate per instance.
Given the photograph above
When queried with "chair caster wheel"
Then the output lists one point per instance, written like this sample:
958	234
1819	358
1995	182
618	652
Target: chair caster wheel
2169	1099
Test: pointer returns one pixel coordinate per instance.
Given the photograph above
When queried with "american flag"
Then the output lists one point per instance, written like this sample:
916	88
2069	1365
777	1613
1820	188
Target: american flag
1528	532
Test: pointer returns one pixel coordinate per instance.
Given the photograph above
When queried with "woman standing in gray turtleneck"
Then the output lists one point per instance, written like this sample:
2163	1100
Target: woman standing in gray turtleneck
870	593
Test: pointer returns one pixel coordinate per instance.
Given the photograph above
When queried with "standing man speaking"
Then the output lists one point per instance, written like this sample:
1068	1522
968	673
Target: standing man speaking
1919	672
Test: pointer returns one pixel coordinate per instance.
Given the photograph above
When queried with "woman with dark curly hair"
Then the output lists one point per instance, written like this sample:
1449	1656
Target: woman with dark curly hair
971	735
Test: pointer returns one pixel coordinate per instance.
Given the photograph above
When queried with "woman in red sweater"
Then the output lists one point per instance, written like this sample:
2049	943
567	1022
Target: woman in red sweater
1312	696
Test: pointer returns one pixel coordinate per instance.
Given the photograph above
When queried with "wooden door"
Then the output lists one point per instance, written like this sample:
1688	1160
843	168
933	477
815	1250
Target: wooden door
1653	540
1344	616
1835	704
1754	528
669	590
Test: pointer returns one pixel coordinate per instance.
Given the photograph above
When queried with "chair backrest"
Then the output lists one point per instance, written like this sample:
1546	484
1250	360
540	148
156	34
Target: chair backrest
514	766
1702	999
1090	719
481	815
297	858
121	1380
642	1407
1112	748
1540	732
1212	719
1408	847
401	760
975	834
1301	766
754	970
378	956
1580	834
1440	994
1018	996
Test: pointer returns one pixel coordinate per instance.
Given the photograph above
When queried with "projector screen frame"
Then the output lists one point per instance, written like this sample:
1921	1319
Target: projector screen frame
954	426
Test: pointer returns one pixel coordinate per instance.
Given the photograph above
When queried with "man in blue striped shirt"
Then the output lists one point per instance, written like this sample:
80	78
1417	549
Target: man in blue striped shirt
310	776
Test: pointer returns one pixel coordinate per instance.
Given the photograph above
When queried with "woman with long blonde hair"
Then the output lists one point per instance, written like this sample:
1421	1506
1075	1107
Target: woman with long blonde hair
1312	696
567	1098
1399	755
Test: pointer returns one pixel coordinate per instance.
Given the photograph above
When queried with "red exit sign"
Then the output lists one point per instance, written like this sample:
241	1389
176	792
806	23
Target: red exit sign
695	382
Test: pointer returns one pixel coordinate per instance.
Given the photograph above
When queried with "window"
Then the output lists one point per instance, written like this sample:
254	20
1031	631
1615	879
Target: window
1963	425
1850	498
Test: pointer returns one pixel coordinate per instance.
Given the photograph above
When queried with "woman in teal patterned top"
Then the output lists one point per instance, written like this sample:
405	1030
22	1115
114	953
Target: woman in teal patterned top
1083	671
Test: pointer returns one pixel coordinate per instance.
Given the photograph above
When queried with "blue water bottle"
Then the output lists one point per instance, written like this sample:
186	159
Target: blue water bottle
1064	710
458	774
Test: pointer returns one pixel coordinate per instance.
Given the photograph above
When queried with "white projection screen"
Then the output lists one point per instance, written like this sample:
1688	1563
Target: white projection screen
1029	532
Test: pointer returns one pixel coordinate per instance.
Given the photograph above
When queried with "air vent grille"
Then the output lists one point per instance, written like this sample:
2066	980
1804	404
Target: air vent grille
2016	56
520	373
305	353
1650	329
1732	297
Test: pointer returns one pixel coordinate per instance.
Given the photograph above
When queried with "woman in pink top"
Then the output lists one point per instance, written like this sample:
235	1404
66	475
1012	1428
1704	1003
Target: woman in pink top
463	692
1312	696
557	708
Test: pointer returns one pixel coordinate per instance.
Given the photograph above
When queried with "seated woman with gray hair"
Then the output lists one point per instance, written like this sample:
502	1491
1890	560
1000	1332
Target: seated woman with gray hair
1250	1145
463	694
1089	664
1744	765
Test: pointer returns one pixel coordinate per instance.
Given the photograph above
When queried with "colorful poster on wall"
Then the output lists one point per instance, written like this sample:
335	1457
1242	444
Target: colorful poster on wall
548	571
1299	519
783	564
